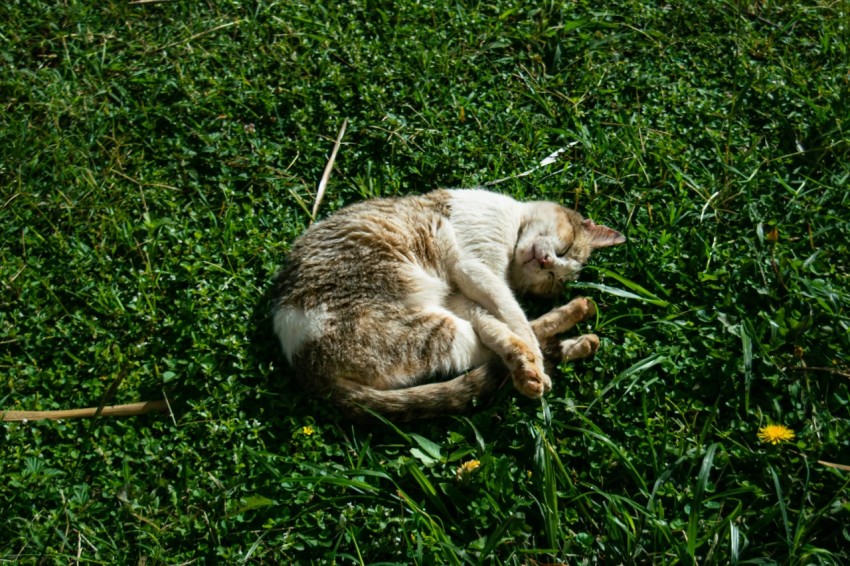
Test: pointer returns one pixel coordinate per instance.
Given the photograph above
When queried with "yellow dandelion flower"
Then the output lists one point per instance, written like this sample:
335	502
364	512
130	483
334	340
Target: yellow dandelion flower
467	468
307	430
773	236
775	433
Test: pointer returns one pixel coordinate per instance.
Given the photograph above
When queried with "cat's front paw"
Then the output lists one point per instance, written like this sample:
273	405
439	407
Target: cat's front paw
530	381
577	348
527	371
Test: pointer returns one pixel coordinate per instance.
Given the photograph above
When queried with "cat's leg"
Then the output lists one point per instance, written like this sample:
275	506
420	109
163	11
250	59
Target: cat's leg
502	325
512	338
479	283
520	360
523	363
561	319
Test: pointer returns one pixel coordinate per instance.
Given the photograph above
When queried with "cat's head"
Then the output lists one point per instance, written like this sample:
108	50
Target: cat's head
553	245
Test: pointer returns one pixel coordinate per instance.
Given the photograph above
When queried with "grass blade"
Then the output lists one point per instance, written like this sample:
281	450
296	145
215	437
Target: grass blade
699	492
735	546
634	370
428	488
495	537
652	299
435	529
549	506
781	502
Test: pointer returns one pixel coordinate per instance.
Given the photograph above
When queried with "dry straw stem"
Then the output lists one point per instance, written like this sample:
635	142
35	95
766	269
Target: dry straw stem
129	410
320	193
836	466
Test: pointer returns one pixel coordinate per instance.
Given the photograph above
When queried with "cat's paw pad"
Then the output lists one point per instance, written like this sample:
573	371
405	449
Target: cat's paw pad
530	381
582	347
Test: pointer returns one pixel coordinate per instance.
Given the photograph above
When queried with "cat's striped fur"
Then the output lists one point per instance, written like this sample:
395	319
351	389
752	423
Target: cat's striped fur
406	306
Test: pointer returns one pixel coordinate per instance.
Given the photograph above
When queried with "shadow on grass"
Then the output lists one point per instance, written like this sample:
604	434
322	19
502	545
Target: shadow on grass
280	397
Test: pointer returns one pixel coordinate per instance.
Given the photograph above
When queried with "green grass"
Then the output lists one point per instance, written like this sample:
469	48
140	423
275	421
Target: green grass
158	159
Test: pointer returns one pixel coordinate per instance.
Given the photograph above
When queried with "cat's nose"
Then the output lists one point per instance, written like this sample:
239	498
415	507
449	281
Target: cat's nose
543	258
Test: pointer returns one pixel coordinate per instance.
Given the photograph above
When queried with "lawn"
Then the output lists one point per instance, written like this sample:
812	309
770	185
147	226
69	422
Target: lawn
158	158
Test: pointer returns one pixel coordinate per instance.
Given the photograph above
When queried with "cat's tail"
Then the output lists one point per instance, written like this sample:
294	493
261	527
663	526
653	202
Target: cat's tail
472	390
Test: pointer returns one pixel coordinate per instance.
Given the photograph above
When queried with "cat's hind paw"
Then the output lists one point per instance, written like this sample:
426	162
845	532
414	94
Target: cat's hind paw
577	348
563	318
584	308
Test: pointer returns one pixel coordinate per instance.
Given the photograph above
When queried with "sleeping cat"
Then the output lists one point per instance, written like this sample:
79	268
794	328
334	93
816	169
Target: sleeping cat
406	306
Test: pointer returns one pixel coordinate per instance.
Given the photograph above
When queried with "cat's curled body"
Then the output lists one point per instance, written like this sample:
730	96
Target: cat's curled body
406	306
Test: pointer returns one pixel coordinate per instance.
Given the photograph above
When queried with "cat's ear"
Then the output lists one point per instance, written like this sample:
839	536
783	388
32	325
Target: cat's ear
601	236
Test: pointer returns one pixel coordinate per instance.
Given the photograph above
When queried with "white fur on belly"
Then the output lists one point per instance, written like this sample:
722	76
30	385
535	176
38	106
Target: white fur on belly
429	292
295	327
467	350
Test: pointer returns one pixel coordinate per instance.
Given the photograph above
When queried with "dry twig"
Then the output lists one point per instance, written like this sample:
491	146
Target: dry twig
128	410
320	193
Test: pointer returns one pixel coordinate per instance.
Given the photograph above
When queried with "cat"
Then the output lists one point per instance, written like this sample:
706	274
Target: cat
406	306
